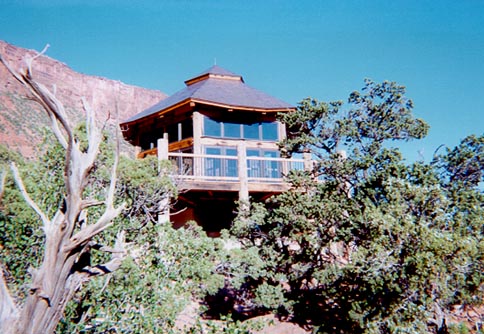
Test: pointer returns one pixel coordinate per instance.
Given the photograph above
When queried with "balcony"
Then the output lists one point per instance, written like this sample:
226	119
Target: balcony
233	173
237	171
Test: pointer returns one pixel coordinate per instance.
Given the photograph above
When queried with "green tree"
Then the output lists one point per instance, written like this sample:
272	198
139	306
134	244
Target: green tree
365	243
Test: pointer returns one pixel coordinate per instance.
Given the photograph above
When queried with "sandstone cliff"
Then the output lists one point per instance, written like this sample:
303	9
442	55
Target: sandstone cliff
22	120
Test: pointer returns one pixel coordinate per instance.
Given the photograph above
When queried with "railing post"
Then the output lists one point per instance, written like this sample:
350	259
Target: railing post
308	162
242	169
162	148
197	143
137	151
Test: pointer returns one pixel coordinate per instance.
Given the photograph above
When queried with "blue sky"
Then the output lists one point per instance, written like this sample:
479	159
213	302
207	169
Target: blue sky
289	49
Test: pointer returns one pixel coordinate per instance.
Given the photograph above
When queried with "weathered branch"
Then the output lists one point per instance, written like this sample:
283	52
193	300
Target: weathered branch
87	233
30	60
8	309
105	220
119	253
18	180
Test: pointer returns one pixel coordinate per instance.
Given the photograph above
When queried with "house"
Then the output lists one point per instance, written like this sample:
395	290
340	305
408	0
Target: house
222	136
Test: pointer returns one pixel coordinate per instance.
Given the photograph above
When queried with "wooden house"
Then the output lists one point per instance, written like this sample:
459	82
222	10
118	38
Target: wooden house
221	134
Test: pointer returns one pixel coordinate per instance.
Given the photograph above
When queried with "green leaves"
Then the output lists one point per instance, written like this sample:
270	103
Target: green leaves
167	269
373	245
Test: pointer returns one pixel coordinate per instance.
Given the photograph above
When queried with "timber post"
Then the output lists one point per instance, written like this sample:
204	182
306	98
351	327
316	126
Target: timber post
242	169
308	162
197	119
162	148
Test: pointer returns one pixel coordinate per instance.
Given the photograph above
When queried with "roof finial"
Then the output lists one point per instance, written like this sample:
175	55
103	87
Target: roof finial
215	61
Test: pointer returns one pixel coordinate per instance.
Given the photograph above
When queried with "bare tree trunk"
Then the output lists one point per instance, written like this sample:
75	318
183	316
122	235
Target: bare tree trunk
68	237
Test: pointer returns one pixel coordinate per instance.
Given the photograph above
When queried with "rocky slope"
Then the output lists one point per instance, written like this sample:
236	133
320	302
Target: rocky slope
22	120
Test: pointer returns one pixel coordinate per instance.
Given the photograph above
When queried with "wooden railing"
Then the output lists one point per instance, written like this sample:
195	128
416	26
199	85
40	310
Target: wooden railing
240	169
206	167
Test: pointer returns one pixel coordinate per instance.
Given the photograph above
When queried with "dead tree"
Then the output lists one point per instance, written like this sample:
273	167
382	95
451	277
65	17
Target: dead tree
68	235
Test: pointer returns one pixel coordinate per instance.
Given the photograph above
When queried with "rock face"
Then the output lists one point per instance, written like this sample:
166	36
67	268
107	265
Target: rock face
22	121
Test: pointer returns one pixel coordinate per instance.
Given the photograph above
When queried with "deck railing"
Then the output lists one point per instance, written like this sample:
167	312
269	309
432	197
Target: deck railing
206	167
240	168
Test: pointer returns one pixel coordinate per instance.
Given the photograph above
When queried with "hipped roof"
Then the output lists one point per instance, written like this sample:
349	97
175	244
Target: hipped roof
217	86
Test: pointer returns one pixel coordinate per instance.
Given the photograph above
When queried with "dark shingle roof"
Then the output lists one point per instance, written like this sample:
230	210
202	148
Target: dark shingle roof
217	86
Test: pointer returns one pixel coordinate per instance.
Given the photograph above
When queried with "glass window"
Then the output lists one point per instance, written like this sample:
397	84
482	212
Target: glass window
211	127
254	166
213	165
231	130
272	169
231	166
269	131
221	166
251	131
213	150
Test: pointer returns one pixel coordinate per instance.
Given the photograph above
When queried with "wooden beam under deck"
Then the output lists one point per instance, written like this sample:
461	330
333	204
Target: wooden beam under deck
265	187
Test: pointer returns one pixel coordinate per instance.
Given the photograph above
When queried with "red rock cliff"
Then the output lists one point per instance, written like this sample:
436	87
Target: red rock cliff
22	120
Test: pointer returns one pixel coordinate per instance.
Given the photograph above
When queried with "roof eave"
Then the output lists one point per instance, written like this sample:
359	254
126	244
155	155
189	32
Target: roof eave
158	113
210	103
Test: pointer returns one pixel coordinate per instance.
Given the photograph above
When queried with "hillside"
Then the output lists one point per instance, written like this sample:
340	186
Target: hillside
22	120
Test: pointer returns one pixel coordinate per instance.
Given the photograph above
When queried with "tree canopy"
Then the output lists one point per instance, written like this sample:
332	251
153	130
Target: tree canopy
364	242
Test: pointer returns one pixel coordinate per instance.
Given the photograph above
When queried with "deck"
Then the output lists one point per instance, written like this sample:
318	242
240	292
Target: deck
232	173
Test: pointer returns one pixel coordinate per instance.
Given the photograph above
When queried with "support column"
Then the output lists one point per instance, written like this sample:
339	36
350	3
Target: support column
308	162
242	168
281	130
137	151
162	146
197	142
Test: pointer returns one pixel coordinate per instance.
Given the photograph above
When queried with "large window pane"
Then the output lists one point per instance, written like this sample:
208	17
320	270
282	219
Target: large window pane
231	130
231	166
254	166
212	128
213	165
272	169
251	131
269	131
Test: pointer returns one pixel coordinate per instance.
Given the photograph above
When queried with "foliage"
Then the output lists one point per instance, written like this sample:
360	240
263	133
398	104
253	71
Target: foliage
165	272
21	239
166	269
365	243
139	185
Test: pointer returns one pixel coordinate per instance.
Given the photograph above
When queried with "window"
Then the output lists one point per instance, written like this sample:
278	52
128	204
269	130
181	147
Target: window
263	168
254	131
269	131
251	131
212	128
221	166
231	130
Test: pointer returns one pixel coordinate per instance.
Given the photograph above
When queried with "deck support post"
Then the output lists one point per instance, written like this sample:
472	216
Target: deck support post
197	119
308	162
162	146
242	169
